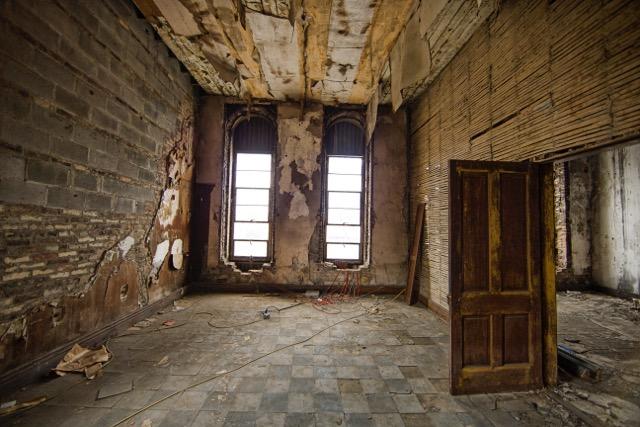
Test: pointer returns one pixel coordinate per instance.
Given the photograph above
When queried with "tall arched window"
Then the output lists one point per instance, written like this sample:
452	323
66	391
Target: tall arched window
253	144
345	196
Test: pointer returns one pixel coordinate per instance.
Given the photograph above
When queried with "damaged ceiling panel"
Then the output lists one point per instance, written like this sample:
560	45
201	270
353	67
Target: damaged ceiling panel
433	35
331	51
278	43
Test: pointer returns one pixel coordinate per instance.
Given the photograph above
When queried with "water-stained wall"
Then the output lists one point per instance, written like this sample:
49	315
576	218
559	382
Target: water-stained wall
604	222
298	218
96	156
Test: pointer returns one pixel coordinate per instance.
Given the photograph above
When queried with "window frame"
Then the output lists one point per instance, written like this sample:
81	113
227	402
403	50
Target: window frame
365	201
232	212
234	118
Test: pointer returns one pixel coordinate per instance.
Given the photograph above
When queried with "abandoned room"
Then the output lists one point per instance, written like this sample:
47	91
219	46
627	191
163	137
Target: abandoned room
319	213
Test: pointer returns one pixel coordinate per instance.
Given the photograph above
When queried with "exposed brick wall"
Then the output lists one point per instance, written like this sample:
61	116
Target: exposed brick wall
95	123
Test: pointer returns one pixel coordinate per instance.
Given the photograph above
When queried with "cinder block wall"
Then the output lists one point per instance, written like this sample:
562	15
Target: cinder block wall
95	166
538	79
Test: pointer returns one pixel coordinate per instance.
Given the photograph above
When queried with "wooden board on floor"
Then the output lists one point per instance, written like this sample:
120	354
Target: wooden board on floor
411	294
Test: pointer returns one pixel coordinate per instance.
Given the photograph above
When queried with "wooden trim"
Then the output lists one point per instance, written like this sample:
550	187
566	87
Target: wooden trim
609	291
437	309
573	153
549	310
41	366
455	272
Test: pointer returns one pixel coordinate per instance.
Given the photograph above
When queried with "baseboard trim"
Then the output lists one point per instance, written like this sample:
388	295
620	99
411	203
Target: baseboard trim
611	292
439	310
211	287
42	365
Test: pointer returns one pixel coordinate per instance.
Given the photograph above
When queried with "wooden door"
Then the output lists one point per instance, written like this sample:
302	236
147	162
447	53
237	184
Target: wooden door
494	277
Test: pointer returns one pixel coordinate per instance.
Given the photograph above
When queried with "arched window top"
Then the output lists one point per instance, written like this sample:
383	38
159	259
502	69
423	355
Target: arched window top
254	134
345	138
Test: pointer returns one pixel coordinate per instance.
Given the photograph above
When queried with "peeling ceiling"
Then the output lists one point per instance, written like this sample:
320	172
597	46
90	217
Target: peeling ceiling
330	51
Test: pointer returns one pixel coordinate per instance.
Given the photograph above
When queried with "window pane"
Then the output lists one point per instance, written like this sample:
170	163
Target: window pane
252	213
252	197
343	233
345	182
250	249
348	165
344	216
250	231
253	162
340	251
253	179
344	200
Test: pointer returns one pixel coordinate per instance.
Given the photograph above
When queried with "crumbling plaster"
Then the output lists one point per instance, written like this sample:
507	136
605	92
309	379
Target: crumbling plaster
616	221
579	210
100	164
603	205
298	212
132	272
299	154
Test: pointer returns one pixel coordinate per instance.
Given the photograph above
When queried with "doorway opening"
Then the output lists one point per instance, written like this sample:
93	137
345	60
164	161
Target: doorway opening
597	224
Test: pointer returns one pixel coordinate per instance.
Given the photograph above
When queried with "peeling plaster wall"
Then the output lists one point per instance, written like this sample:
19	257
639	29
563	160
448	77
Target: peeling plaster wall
603	205
390	203
298	219
96	153
579	209
615	247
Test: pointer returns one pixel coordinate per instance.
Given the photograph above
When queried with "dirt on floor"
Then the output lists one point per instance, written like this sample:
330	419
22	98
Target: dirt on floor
604	330
214	360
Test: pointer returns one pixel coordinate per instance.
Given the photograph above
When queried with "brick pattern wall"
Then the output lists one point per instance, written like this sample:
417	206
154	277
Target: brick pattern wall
92	104
538	79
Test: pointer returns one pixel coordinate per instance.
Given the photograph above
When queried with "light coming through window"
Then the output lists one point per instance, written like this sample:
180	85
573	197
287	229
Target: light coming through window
252	190
344	208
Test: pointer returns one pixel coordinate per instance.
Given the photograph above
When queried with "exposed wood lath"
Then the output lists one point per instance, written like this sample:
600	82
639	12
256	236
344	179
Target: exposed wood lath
441	29
537	81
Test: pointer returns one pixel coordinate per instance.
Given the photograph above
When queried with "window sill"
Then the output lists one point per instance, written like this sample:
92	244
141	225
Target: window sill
345	265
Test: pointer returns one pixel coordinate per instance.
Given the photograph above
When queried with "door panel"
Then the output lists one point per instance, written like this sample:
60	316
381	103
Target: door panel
495	287
475	275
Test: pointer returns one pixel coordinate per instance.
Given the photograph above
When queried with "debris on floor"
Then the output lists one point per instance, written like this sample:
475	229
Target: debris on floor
114	389
144	323
603	335
604	407
13	406
573	363
312	294
163	362
305	366
83	360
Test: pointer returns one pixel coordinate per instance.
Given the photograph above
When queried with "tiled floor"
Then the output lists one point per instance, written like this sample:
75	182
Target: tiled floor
369	362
